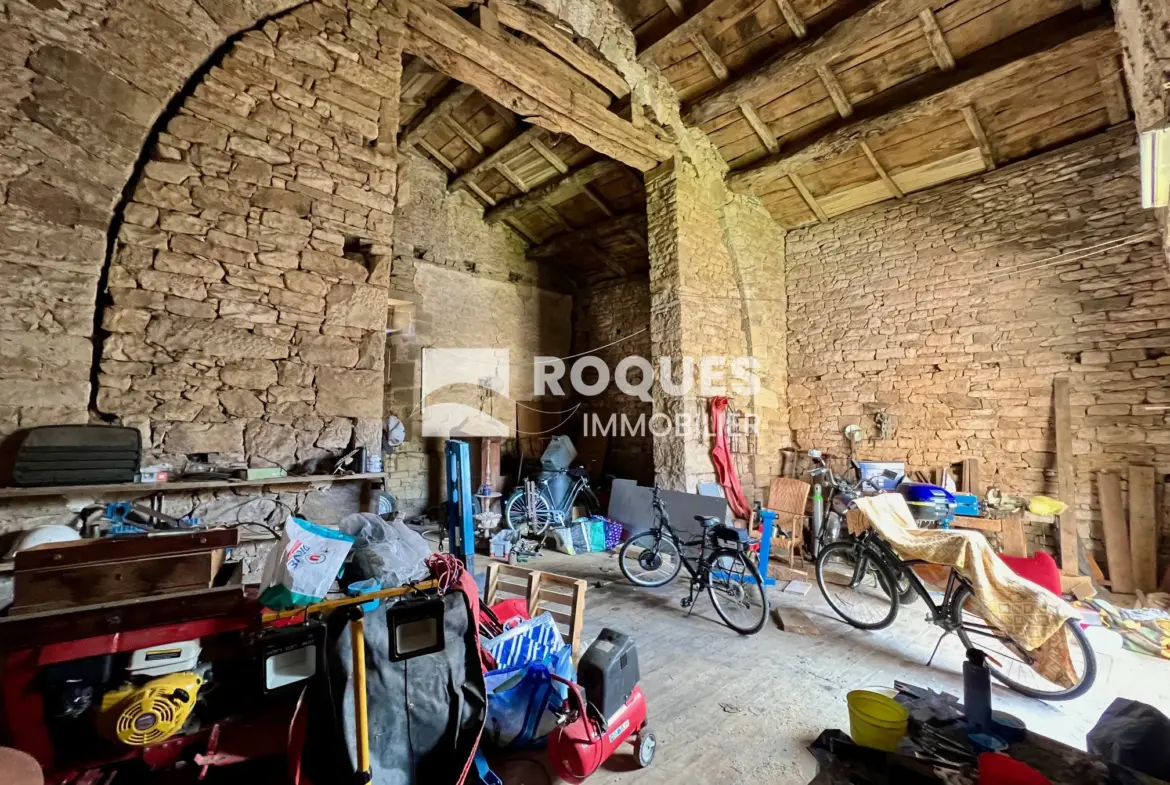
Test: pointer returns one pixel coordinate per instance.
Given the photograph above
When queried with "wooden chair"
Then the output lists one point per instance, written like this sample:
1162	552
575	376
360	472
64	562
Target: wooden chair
558	595
787	497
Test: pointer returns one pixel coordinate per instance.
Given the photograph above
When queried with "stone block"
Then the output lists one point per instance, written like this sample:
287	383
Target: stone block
349	393
185	264
173	172
286	223
241	403
125	320
208	198
212	339
192	438
254	148
187	286
178	411
111	400
357	305
193	309
198	131
283	201
286	260
140	214
328	350
250	313
336	266
249	374
252	170
306	283
305	303
336	434
267	444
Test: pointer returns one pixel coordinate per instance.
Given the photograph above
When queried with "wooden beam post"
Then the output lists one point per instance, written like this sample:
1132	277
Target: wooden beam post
959	88
891	186
936	40
714	61
760	127
976	128
1065	476
808	198
792	18
836	92
1113	89
1143	528
565	184
1116	530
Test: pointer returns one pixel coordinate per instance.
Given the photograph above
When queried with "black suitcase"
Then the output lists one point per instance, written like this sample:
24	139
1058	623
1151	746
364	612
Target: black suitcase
77	455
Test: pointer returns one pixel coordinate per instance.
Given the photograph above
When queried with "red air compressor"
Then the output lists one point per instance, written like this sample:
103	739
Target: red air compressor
605	710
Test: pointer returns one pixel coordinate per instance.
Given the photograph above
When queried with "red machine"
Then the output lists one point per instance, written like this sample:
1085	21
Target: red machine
605	711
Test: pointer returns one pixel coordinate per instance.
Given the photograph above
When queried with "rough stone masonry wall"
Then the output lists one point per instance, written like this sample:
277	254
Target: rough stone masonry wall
81	84
249	279
457	282
616	315
941	309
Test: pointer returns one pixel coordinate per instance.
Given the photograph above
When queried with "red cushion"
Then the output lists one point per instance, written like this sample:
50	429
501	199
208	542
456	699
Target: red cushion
1040	569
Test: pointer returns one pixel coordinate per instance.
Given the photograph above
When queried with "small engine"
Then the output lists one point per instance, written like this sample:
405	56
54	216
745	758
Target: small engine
152	712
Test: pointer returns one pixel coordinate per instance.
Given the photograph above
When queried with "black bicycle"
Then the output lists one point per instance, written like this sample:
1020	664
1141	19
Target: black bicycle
724	568
858	578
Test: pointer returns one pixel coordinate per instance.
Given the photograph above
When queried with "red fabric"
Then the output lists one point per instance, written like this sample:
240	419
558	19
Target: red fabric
724	465
470	590
1040	569
507	610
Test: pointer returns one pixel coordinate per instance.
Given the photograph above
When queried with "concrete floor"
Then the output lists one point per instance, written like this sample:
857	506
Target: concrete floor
728	708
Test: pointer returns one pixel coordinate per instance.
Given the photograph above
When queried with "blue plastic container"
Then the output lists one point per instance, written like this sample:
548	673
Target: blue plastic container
928	503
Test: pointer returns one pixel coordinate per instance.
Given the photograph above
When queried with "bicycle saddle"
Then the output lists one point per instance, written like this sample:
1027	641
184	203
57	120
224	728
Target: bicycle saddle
708	520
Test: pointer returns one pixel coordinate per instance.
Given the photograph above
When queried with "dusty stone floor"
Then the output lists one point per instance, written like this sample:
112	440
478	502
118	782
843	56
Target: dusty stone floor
729	709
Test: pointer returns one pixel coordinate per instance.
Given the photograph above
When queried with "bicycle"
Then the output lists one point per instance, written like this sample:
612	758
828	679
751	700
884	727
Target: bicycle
544	513
654	558
857	576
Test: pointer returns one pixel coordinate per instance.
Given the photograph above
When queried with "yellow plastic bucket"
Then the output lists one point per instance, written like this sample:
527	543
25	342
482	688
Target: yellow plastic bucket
875	720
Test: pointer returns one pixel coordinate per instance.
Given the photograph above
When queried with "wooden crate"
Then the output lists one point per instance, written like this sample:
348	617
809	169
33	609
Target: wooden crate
87	572
558	595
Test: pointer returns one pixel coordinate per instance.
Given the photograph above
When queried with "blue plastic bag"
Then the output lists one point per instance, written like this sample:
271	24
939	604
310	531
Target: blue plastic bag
522	701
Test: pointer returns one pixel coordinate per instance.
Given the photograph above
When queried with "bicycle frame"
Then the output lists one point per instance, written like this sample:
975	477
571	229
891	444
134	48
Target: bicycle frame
700	569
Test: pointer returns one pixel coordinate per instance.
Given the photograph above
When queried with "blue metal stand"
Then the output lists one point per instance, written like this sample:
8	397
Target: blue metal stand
768	519
460	528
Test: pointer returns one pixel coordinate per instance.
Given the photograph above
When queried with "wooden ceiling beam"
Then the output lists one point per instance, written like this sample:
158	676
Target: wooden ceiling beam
1041	51
793	19
519	228
435	112
554	160
767	136
508	174
463	133
808	198
676	8
1113	89
564	185
565	244
602	205
482	194
542	27
937	42
495	67
894	189
714	61
976	127
835	90
506	153
709	14
443	160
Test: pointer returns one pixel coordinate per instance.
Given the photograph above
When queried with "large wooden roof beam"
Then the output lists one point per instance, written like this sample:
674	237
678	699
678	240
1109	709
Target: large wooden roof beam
426	120
501	71
506	153
566	244
1039	52
566	185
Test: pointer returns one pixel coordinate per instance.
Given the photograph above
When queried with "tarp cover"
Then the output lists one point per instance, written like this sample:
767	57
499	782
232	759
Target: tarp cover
1028	613
425	714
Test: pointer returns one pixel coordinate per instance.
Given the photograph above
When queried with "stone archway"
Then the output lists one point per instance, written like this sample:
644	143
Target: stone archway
81	88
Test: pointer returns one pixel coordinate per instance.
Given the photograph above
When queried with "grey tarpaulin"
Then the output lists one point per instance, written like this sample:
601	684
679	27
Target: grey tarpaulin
426	713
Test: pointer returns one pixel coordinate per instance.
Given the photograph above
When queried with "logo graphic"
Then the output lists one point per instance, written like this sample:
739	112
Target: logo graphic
465	392
296	553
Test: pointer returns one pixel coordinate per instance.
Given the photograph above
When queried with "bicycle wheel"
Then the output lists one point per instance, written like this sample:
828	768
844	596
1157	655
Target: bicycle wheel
516	514
1013	666
906	593
737	591
858	585
650	559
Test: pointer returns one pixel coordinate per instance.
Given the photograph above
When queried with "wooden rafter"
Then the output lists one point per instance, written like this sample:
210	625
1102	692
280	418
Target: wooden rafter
542	28
508	174
986	151
506	153
792	18
676	8
894	189
714	61
553	159
760	127
518	226
463	133
708	16
808	198
1113	89
434	113
835	90
602	205
555	216
1030	52
482	194
443	160
565	244
936	40
500	70
564	185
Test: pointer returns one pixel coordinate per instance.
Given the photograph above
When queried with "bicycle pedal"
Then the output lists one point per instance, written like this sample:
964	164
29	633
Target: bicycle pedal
686	602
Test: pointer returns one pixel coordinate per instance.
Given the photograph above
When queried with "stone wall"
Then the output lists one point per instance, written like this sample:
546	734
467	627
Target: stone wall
457	282
950	310
616	315
81	85
248	285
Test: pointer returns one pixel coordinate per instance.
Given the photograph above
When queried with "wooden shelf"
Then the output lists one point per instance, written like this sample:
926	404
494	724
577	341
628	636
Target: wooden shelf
152	488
